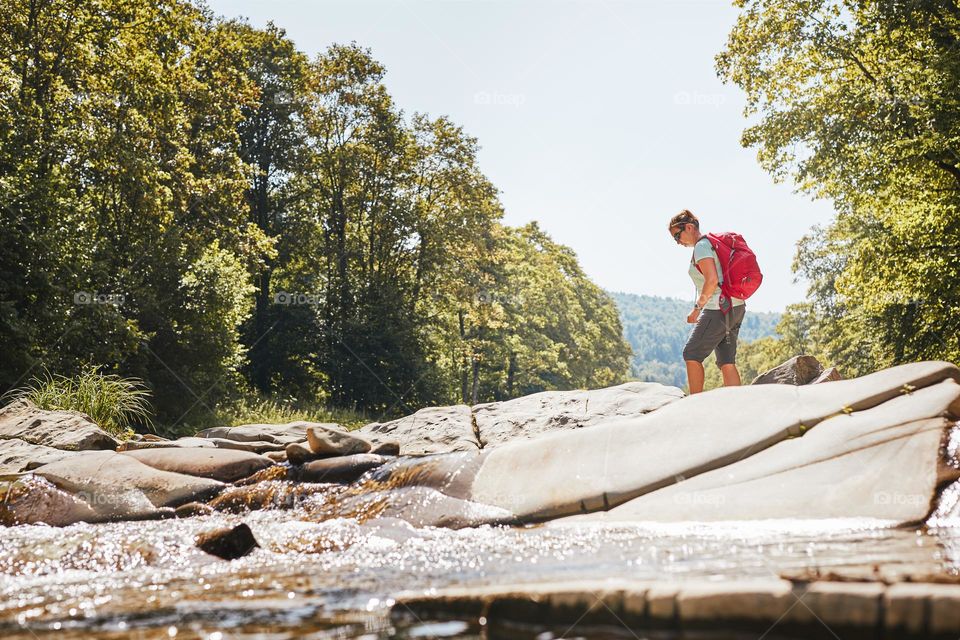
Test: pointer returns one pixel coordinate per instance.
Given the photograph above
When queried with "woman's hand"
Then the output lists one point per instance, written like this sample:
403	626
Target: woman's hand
693	315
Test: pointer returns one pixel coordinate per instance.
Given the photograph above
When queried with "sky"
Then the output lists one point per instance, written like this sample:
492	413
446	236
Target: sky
600	119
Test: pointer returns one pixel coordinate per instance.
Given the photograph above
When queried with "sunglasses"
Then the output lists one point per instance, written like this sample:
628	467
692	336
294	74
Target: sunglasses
676	236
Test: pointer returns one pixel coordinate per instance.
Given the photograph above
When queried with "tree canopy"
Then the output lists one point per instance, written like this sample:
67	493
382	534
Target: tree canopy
194	202
857	102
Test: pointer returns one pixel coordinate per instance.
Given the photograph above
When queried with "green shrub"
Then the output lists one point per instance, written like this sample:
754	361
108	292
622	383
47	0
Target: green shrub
115	403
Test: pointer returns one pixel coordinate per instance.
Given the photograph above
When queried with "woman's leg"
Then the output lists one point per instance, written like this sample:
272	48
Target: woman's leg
695	376
731	377
727	349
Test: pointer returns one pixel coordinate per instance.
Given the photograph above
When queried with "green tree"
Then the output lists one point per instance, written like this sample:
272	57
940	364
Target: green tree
857	102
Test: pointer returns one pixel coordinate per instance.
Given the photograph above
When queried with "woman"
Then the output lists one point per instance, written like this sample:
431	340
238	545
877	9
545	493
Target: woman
714	330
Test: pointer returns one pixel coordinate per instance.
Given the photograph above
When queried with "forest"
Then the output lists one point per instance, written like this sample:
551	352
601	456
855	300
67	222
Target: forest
194	203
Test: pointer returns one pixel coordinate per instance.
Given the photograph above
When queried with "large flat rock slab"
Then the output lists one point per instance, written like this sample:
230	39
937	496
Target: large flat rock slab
430	430
460	428
499	423
609	464
878	463
68	430
278	434
17	455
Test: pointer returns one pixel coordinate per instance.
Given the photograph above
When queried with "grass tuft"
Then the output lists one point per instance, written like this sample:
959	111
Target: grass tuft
115	403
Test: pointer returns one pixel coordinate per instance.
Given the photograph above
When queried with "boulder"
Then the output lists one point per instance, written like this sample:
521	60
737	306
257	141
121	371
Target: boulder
341	469
225	465
797	370
117	486
331	442
386	448
615	462
68	430
828	375
532	416
298	453
429	430
17	455
282	434
228	543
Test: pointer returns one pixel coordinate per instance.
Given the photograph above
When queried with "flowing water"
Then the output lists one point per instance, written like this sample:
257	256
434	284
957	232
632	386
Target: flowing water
337	578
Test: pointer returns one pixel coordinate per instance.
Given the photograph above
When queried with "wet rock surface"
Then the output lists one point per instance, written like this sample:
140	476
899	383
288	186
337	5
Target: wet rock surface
880	450
225	465
228	543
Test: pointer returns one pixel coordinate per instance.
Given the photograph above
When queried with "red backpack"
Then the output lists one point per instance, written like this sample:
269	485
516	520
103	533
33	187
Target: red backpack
741	273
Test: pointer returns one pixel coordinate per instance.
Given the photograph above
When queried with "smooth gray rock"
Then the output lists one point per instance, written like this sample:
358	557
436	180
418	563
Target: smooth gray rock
331	442
17	455
488	425
179	443
119	487
430	430
341	469
797	370
540	413
68	430
282	434
842	468
225	465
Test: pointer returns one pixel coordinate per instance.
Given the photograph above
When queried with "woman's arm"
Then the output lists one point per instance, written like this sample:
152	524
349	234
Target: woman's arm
709	270
710	281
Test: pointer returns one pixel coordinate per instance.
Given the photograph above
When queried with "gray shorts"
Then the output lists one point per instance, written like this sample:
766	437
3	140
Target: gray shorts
711	333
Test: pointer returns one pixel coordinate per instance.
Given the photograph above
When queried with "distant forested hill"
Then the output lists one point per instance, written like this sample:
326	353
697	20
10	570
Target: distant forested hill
657	329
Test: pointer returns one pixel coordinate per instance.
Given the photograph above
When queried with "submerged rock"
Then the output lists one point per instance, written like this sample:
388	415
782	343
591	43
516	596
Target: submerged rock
225	465
341	469
68	430
114	486
228	543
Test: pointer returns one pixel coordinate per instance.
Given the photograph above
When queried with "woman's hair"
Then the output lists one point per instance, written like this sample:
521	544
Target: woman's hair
684	217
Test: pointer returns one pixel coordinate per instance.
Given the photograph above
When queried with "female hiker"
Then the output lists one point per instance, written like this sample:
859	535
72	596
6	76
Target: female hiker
714	330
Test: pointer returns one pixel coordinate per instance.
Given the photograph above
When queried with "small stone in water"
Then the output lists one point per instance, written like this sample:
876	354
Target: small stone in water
228	543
